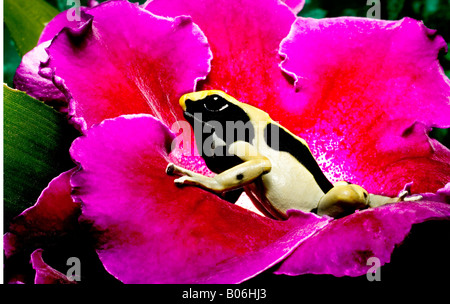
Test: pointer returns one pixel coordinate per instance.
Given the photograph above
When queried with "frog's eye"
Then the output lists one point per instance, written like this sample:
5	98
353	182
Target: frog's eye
215	103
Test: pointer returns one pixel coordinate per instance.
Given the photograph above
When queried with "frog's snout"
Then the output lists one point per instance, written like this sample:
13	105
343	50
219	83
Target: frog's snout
191	97
196	96
182	101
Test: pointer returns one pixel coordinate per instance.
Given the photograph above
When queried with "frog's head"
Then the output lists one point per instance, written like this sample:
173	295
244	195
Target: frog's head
212	106
218	120
216	113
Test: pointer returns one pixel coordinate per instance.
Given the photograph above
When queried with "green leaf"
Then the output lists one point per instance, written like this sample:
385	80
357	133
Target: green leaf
25	20
11	59
316	13
441	135
447	56
394	9
430	7
63	5
36	144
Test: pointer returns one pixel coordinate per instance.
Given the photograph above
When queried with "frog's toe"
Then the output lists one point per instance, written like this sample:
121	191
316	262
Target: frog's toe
184	180
406	196
413	198
403	194
170	169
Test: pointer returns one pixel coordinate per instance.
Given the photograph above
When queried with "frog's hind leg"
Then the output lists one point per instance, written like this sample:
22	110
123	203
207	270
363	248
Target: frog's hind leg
343	199
404	196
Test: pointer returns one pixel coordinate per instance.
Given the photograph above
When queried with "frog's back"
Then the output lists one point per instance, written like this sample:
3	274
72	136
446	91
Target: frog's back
295	180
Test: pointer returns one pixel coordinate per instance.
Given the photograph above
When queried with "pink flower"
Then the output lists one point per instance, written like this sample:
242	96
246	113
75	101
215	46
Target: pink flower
363	93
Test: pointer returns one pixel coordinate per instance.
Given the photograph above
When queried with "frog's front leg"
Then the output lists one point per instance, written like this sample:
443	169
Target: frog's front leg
230	179
254	165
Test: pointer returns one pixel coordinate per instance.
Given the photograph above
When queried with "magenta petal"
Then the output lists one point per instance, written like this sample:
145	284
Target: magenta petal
54	215
44	225
127	61
28	79
368	93
150	231
343	247
442	195
35	79
295	5
62	20
245	36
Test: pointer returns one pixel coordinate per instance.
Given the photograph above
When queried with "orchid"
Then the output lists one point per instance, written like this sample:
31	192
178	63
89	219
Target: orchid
364	93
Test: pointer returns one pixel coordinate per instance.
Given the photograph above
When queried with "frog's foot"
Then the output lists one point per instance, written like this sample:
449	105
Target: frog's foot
173	169
230	179
185	180
187	177
343	199
406	196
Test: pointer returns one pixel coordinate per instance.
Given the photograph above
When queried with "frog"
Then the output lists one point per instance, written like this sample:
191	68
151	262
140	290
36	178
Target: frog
248	150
